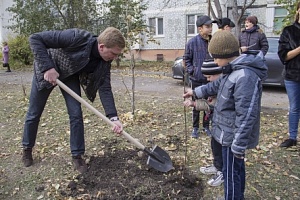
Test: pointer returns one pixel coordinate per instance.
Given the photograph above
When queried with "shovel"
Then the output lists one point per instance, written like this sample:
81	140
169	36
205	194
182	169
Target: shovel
158	158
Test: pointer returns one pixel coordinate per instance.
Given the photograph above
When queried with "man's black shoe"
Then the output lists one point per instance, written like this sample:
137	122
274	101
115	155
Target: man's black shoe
79	164
288	143
27	157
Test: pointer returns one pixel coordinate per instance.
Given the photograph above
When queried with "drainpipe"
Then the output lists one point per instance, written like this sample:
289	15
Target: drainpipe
209	8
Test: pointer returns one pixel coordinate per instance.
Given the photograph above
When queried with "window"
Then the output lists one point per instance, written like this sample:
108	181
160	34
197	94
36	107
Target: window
191	24
243	18
279	15
156	26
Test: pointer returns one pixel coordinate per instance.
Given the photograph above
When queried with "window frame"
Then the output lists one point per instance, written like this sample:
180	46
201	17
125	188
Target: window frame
190	24
277	26
156	27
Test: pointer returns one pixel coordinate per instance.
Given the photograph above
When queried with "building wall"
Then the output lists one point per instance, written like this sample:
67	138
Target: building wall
157	54
5	19
174	14
174	19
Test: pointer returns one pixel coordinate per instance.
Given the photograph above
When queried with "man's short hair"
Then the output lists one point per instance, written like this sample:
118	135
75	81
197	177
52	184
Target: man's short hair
112	37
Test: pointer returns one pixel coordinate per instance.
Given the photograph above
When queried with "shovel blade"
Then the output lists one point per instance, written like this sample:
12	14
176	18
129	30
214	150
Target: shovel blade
159	160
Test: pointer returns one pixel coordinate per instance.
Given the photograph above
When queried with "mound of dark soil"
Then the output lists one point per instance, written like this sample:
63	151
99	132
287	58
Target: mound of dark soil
124	175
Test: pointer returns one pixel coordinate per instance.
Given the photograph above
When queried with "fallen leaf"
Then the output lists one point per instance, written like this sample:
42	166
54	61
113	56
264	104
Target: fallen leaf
295	177
40	197
267	162
172	147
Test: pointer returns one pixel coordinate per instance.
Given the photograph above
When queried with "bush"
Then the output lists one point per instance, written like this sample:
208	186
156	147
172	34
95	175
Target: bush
19	51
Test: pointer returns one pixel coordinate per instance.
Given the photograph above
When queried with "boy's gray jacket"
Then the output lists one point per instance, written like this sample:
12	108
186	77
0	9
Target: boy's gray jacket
68	51
236	118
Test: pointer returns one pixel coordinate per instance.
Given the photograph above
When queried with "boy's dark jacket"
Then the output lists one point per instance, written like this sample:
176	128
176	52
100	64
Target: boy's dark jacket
289	40
236	118
68	51
195	54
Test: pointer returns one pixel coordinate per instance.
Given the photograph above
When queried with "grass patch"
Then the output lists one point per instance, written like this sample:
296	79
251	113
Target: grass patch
272	172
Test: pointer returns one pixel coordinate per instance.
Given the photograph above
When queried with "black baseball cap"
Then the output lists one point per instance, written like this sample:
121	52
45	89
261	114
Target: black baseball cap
204	20
225	22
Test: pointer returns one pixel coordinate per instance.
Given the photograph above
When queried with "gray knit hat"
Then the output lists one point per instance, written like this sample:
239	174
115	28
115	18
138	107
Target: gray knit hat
223	45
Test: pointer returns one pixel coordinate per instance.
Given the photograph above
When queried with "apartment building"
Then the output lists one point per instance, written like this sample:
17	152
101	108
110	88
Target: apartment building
5	19
173	23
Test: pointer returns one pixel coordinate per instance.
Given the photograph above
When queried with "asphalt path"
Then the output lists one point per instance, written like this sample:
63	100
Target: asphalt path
154	84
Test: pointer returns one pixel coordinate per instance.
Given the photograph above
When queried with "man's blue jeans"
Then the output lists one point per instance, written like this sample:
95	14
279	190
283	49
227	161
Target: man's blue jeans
234	175
37	104
293	92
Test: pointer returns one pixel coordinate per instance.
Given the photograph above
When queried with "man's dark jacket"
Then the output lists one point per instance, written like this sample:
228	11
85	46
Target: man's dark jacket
68	51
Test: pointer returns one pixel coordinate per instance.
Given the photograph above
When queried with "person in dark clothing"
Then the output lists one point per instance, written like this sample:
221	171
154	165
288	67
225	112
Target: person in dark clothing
195	54
252	37
225	24
289	54
77	58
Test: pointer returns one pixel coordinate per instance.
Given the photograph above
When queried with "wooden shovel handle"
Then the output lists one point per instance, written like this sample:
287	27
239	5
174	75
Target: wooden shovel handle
99	114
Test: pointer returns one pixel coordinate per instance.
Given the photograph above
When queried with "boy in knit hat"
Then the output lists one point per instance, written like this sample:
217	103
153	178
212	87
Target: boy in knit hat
236	117
212	72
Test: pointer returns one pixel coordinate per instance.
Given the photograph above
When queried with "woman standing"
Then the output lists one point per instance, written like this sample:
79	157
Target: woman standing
252	37
289	54
5	53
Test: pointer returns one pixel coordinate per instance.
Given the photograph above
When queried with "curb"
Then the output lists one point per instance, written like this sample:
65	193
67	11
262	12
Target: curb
143	72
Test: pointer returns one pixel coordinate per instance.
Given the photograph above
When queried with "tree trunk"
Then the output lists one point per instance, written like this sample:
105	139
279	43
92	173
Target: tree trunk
132	65
118	61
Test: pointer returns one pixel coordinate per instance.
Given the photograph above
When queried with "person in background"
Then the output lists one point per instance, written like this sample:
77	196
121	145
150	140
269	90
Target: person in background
225	24
194	56
77	58
252	37
289	54
5	54
212	72
236	117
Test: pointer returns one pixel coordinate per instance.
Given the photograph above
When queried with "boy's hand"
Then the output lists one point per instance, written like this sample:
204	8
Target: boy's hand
244	48
189	103
188	93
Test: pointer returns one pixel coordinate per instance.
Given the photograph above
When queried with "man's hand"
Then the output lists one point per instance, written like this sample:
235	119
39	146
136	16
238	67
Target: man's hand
118	128
51	75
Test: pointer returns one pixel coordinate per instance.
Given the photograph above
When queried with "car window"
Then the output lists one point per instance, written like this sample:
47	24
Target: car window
273	45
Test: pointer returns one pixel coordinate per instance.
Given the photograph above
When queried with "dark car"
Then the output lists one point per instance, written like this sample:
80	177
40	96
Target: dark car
178	71
275	67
